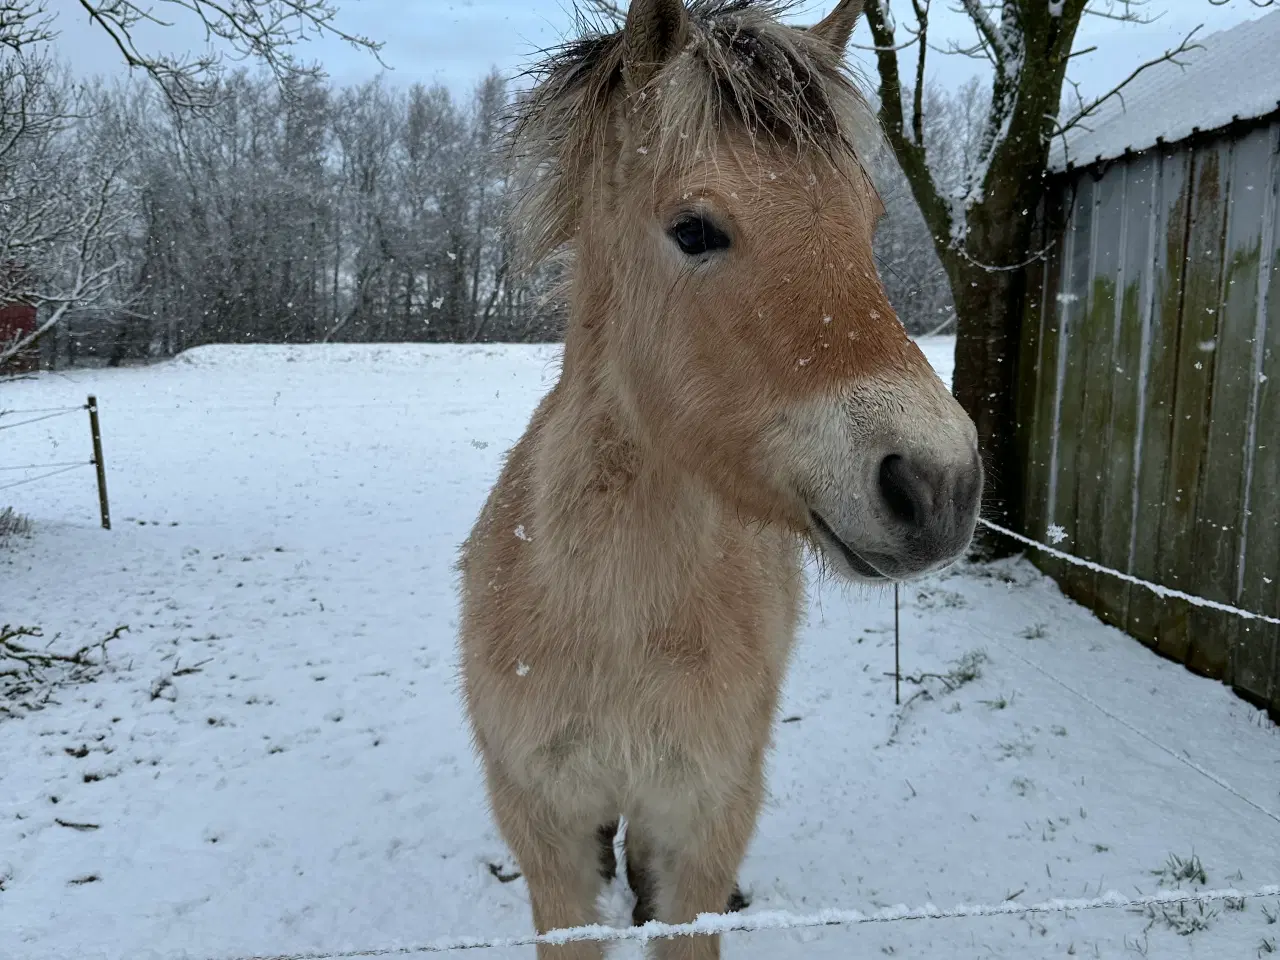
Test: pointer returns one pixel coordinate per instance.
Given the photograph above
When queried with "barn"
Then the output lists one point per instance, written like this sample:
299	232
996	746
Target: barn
18	320
1149	372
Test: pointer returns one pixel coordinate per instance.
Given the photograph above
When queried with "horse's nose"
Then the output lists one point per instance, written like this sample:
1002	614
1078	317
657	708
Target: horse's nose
933	500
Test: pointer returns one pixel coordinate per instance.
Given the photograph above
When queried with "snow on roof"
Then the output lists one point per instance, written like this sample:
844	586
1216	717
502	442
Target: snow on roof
1235	76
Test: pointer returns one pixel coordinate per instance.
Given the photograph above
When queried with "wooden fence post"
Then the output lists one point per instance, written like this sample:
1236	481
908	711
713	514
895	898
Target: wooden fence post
97	462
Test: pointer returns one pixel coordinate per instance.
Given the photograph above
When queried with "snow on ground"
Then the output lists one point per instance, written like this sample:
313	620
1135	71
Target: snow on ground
277	761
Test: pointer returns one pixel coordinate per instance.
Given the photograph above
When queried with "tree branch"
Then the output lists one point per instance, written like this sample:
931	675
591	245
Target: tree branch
910	154
1128	12
904	45
1169	56
921	8
24	23
609	10
264	29
1001	52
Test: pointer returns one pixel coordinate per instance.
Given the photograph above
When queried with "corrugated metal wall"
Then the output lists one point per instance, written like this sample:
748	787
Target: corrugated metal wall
1150	396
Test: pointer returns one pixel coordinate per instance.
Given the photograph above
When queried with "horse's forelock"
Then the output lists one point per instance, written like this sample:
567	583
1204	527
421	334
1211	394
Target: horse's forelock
742	71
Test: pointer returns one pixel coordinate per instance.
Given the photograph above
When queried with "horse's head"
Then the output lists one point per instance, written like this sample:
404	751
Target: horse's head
709	179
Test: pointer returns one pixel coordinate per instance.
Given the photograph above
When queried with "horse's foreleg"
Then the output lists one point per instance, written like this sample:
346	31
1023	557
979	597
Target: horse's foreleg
640	875
561	863
697	869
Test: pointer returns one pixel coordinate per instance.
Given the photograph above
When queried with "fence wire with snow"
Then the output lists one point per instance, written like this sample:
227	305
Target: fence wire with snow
718	923
762	921
53	469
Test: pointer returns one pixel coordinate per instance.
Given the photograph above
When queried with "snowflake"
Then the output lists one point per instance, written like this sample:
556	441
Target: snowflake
522	669
1056	534
520	534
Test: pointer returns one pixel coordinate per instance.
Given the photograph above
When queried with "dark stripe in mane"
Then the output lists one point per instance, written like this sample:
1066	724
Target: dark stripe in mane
742	69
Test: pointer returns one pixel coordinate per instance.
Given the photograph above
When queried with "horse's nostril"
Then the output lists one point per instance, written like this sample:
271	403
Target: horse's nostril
901	489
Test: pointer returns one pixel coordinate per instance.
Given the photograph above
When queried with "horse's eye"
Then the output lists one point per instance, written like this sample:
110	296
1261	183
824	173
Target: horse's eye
697	235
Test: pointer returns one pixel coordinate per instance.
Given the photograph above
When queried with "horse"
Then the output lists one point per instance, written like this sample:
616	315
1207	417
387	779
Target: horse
735	391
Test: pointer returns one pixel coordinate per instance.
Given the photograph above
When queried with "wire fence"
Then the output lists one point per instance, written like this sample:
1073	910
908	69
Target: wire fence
44	415
765	920
758	921
45	476
723	923
41	414
1167	593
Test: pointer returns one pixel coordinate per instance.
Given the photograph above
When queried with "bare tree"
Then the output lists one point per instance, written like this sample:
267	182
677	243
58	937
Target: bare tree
281	211
367	127
61	219
265	30
63	210
914	277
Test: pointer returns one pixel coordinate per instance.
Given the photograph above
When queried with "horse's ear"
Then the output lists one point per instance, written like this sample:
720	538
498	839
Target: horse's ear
656	30
837	27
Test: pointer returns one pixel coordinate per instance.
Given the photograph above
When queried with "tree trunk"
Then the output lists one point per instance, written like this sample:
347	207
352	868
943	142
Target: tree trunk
986	253
989	306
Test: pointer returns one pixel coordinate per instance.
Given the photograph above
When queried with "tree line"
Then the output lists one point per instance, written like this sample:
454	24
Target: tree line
279	212
291	210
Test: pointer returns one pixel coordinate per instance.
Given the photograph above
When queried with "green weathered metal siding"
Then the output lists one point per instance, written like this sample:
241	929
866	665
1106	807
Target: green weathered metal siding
1149	401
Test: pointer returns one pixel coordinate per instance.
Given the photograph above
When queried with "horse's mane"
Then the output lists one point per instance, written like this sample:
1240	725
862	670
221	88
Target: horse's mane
741	70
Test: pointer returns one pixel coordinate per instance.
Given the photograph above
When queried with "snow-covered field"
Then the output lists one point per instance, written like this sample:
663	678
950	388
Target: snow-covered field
277	762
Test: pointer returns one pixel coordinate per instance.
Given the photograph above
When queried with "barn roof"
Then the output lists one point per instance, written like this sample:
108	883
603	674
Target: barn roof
1236	76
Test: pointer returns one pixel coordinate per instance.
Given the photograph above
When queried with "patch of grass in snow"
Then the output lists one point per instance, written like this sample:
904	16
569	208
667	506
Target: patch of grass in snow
1007	571
968	668
935	598
1015	749
1037	631
1184	919
13	524
1178	870
1140	947
1266	947
965	670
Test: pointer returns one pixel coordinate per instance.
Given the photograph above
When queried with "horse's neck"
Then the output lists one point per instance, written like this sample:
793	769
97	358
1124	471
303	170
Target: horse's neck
621	528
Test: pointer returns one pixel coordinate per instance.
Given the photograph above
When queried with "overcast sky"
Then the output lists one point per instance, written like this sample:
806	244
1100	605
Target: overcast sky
455	42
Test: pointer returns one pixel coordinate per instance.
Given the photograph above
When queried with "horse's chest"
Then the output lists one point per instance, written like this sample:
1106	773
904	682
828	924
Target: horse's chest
684	690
